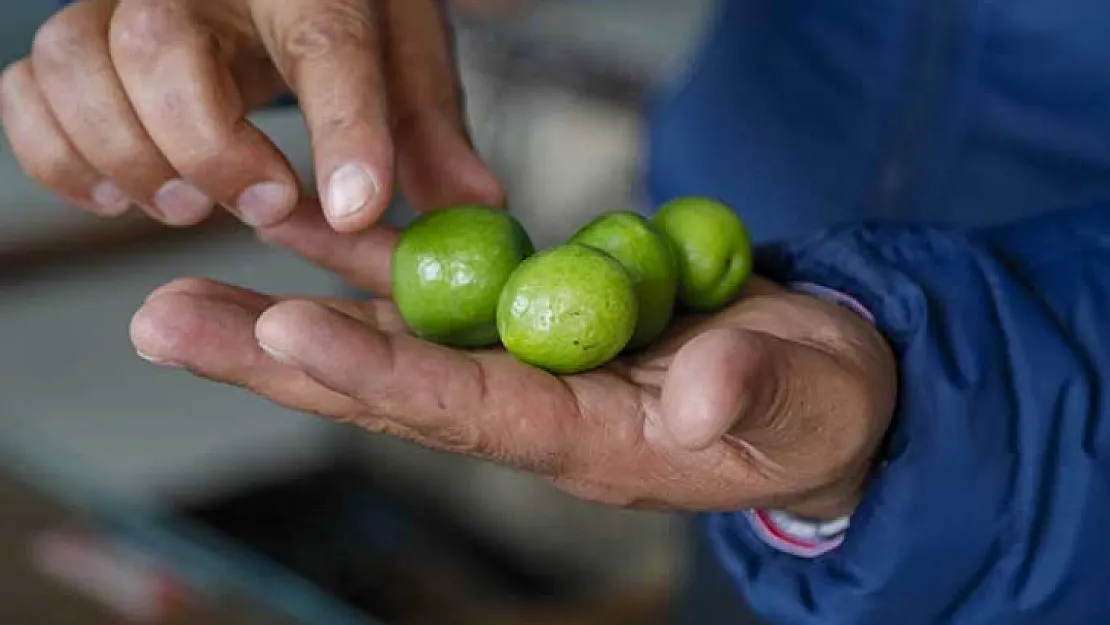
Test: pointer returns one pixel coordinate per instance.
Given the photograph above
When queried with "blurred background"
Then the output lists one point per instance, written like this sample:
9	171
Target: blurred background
134	494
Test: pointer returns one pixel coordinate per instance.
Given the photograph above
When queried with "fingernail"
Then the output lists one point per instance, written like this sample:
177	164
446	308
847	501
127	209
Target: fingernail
265	203
276	355
157	361
350	189
110	198
181	203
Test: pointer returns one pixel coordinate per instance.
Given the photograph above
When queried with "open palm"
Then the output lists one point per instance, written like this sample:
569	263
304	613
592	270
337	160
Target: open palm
778	401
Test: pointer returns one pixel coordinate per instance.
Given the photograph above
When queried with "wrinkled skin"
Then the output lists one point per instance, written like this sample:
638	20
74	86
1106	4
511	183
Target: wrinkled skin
780	400
142	103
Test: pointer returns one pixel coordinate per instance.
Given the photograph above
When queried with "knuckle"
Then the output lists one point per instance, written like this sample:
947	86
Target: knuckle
339	122
544	457
375	423
124	153
12	76
459	438
150	27
547	454
336	27
53	168
62	41
206	159
121	160
548	462
471	440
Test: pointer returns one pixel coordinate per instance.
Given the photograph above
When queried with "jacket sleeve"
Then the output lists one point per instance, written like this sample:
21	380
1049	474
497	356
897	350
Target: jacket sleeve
991	504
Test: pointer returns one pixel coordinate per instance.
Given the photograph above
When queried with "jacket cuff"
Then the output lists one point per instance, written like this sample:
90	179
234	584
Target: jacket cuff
798	537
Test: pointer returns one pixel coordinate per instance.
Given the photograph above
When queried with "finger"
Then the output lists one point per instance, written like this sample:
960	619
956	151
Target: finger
44	151
377	313
486	405
213	338
436	162
362	259
203	287
74	69
709	384
208	328
329	54
173	63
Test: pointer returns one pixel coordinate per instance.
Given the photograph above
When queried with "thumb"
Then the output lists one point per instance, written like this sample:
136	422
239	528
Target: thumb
751	385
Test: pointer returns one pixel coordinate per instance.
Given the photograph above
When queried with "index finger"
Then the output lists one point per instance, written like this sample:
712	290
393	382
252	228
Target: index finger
329	53
483	404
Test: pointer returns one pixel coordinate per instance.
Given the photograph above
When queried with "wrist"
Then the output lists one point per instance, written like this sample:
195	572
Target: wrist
840	500
817	523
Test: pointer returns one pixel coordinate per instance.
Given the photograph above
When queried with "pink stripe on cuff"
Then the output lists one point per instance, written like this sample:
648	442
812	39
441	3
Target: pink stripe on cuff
777	537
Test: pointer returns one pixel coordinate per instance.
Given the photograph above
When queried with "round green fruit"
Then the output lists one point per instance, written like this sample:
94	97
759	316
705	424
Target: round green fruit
713	250
568	310
448	270
650	262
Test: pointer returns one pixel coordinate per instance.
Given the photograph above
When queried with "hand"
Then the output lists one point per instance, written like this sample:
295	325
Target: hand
779	401
134	102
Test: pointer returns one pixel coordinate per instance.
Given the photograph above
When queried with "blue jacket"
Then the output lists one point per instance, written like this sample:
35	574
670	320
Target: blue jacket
990	122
